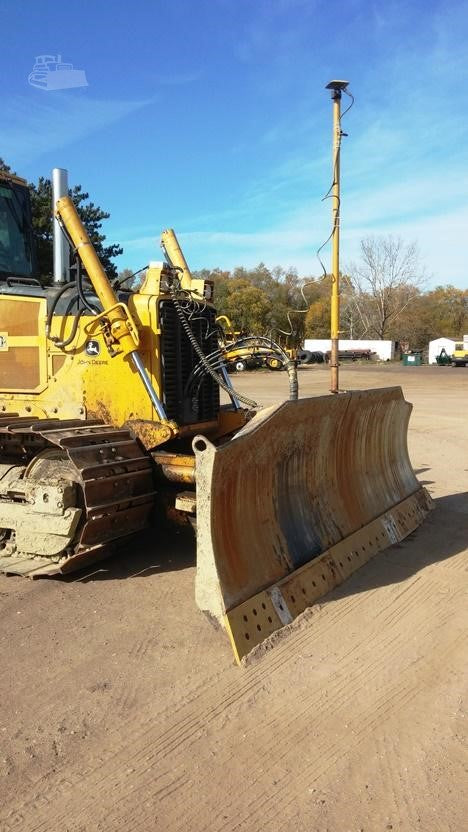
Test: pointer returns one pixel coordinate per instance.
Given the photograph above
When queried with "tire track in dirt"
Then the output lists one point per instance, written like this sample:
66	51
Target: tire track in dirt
341	700
107	701
151	747
361	729
366	670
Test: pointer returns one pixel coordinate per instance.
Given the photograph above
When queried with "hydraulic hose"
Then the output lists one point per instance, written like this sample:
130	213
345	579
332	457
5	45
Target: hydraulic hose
79	286
79	277
291	368
53	305
75	284
289	363
196	377
73	332
196	346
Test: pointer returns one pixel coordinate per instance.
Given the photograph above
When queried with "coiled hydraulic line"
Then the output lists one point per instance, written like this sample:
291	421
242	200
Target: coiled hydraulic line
196	346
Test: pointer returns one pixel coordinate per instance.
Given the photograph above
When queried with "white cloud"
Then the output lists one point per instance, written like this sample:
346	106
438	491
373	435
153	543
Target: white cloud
295	243
45	121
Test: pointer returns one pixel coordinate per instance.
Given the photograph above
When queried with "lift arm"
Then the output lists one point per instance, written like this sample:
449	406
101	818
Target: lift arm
117	323
172	250
122	327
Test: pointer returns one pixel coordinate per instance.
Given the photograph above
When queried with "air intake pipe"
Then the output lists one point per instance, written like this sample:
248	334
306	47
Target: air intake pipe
61	245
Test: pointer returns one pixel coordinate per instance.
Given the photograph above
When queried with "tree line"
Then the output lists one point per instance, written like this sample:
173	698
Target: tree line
383	294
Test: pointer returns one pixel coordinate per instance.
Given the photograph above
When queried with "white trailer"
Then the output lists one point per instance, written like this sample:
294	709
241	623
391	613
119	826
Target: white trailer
385	350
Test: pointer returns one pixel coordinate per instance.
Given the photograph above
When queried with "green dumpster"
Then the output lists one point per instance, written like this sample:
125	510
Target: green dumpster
412	359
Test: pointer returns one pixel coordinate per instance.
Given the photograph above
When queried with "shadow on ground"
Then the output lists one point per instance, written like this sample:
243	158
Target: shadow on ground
443	535
145	554
423	470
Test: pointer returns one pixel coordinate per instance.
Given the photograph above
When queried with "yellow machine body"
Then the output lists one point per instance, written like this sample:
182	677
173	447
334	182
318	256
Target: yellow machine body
82	380
43	380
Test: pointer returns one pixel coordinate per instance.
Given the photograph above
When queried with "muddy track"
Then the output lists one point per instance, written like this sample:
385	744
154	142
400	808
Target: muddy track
112	472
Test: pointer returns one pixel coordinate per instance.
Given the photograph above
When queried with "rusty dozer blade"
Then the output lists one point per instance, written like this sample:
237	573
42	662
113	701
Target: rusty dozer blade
299	499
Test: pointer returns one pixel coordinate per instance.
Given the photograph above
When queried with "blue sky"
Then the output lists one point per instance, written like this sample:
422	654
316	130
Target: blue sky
211	117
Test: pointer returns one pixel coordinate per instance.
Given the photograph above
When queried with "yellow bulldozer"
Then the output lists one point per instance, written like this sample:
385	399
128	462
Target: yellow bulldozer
110	406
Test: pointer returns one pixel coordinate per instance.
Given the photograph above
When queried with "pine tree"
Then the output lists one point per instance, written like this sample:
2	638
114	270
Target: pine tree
90	214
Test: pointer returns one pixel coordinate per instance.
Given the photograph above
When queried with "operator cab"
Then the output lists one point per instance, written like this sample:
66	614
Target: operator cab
16	236
18	265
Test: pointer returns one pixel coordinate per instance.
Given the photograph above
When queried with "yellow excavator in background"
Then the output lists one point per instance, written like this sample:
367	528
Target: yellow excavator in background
110	406
242	351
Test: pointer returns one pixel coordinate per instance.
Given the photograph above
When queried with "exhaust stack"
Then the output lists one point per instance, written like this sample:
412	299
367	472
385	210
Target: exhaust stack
61	246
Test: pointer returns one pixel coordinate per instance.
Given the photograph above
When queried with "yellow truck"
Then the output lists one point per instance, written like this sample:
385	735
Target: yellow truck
460	354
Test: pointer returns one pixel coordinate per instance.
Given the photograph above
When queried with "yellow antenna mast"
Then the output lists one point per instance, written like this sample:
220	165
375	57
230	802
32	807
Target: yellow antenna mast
336	88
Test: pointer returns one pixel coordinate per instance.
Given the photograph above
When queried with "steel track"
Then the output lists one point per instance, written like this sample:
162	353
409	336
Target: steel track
114	476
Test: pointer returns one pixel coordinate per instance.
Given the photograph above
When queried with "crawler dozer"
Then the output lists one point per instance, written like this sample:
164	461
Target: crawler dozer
110	406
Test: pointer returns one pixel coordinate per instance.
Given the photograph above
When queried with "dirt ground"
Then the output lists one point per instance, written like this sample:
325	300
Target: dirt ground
121	708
